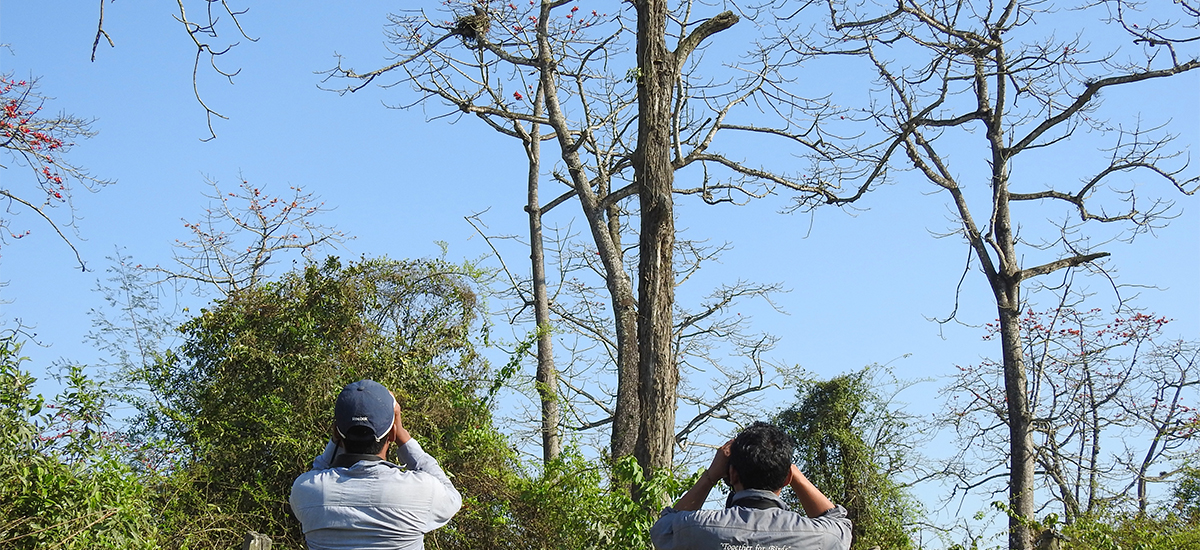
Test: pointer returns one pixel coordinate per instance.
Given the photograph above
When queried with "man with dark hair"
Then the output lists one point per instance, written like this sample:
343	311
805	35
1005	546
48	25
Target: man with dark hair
757	465
354	498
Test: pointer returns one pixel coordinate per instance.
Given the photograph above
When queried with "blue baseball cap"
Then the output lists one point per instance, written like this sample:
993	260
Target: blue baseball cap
365	403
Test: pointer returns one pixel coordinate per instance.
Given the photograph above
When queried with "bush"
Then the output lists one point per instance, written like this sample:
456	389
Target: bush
234	414
1168	531
575	503
63	480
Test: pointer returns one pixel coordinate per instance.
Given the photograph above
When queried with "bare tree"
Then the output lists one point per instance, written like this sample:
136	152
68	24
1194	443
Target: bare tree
1161	404
546	378
547	373
502	62
955	74
565	59
658	71
507	66
40	142
728	361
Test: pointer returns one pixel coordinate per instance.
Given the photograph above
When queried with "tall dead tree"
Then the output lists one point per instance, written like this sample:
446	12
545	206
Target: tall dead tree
547	375
535	291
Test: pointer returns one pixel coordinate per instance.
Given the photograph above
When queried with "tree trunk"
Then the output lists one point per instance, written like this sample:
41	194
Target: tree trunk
659	375
623	439
1020	488
1006	288
1004	276
547	375
620	289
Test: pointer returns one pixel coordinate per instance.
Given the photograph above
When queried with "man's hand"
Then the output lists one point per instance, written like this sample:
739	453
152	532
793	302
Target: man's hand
811	498
718	470
398	434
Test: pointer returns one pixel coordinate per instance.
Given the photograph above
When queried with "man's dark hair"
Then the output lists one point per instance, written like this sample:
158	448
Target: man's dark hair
360	440
762	456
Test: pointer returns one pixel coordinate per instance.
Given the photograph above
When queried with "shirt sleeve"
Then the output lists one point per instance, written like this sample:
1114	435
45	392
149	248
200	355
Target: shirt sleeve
662	533
446	500
324	461
839	520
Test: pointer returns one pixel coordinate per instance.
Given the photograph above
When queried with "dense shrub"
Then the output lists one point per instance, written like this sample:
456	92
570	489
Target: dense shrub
63	481
1164	531
230	417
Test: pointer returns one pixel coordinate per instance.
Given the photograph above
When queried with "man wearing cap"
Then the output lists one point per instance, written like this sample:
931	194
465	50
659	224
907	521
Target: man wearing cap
757	465
354	498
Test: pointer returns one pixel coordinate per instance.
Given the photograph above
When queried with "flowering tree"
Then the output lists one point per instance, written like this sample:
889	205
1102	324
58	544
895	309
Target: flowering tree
39	142
1111	401
241	233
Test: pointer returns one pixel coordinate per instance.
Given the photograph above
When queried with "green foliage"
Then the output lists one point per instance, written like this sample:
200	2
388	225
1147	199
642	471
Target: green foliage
248	397
637	509
1187	494
849	445
1111	528
63	484
567	505
17	403
514	363
572	503
230	417
556	509
1168	531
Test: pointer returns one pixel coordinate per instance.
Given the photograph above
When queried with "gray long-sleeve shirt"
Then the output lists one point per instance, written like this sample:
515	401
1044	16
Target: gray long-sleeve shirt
373	504
741	528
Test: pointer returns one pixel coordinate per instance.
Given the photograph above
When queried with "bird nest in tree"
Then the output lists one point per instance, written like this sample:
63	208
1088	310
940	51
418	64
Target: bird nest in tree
472	27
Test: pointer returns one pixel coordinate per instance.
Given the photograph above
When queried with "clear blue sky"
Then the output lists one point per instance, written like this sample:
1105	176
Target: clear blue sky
863	284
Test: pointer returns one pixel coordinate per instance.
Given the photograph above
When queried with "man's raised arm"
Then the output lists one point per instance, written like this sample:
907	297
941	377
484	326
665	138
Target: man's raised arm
811	498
